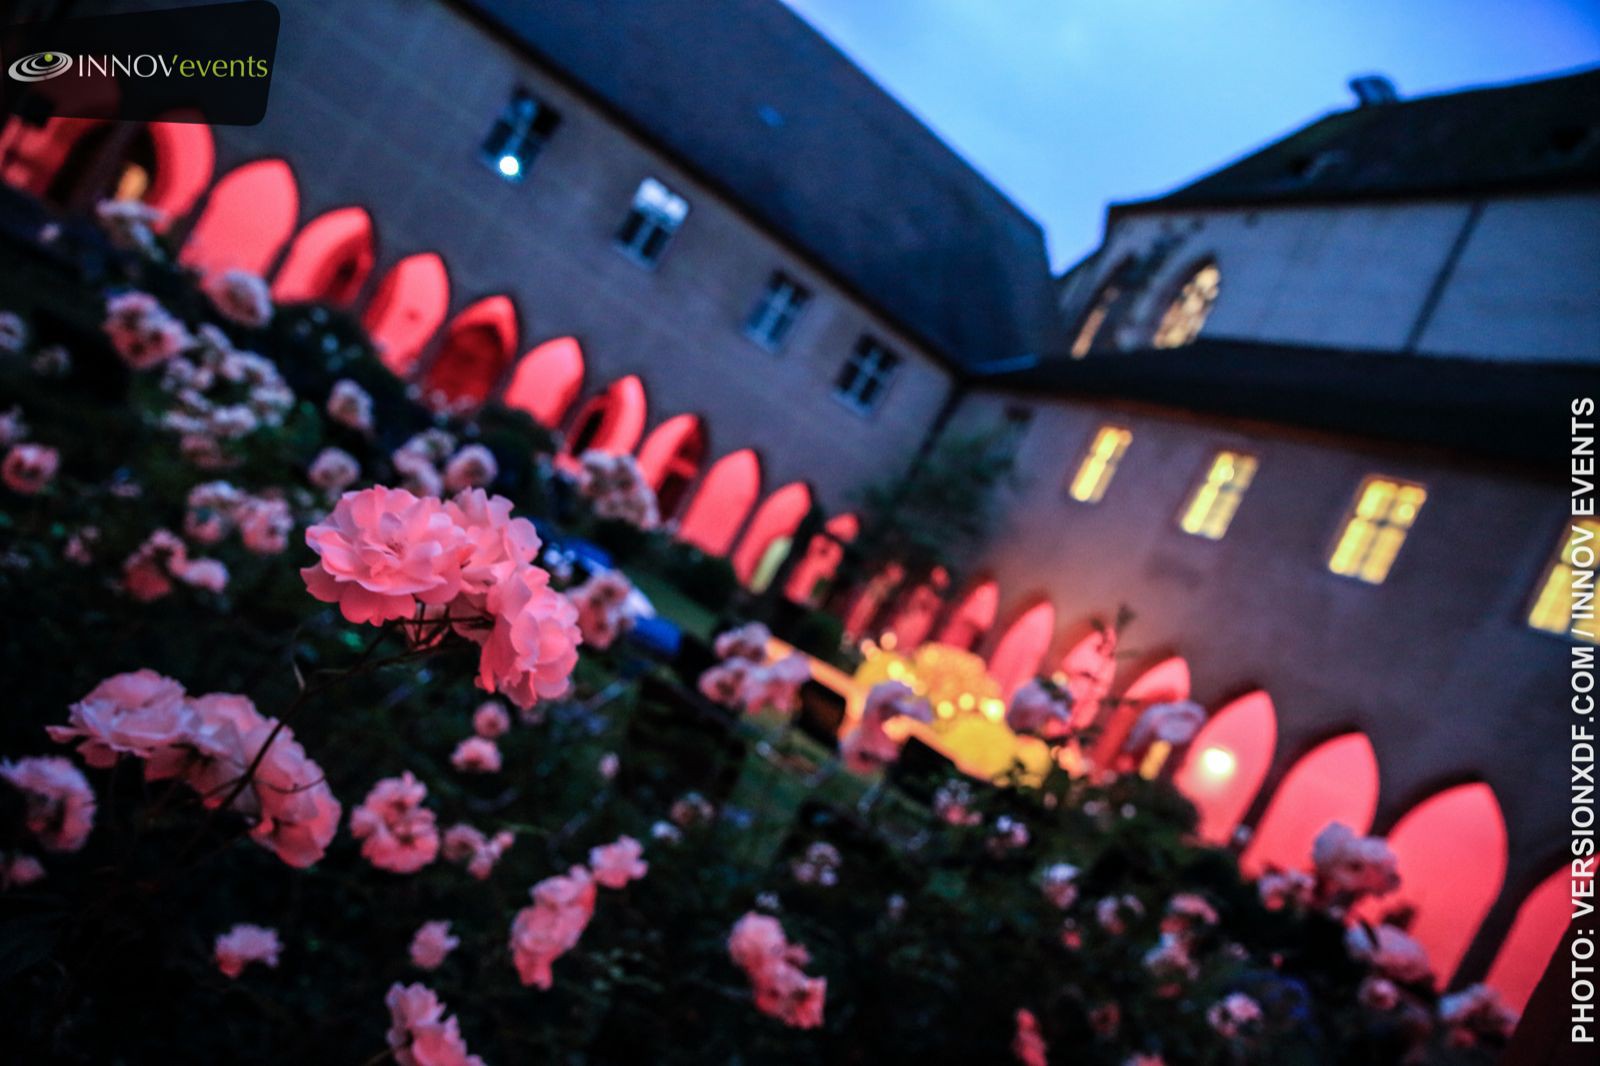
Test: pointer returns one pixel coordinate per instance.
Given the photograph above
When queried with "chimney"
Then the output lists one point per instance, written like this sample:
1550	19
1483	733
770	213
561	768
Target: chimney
1373	89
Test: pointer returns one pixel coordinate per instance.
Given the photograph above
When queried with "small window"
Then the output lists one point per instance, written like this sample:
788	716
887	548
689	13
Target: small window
1184	318
866	375
1566	603
1089	484
1095	320
775	313
1215	499
517	135
655	216
1379	520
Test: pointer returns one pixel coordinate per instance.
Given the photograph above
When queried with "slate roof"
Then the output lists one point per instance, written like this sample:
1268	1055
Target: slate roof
1527	136
1514	412
752	101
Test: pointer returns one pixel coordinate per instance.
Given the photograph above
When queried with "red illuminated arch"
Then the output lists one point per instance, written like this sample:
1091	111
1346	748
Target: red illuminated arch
329	260
1226	763
74	162
479	344
822	558
777	517
1335	782
913	622
1088	671
547	380
612	421
1022	648
407	308
725	498
1451	851
869	599
1165	682
247	219
973	618
1541	922
670	460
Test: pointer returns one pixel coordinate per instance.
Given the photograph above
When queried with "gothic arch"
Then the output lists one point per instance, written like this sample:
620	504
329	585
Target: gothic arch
1535	934
479	344
973	618
75	162
329	259
1337	781
547	380
407	309
612	421
1021	649
1226	763
822	558
722	503
670	459
246	221
775	520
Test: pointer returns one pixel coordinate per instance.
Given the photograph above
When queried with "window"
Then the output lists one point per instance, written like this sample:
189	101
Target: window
1216	498
517	135
866	375
1383	514
775	313
1565	603
655	216
1094	473
1094	321
1183	319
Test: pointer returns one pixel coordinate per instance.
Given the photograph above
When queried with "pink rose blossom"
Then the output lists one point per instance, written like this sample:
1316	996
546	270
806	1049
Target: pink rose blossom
464	844
398	833
136	713
551	927
499	545
1028	1045
416	472
1060	884
1041	709
1390	951
240	296
758	946
776	686
419	1033
18	870
615	488
208	574
476	755
1378	993
490	720
1175	723
619	862
1476	1015
298	814
333	470
722	684
265	524
431	945
868	747
143	332
1285	888
244	944
602	603
147	573
533	646
1349	867
210	756
749	641
28	468
1234	1015
350	405
381	551
60	805
473	467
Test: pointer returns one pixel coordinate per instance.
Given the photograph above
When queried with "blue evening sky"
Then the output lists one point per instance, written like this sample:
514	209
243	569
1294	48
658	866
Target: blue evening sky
1069	104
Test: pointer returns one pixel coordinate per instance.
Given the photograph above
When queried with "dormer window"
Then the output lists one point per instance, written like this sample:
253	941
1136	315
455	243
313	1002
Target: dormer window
1186	315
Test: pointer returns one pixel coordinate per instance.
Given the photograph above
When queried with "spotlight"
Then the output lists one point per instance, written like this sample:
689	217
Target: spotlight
1218	762
510	165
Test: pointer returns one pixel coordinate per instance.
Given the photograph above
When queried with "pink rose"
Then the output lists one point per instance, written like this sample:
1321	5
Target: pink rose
464	844
419	1033
298	812
59	803
143	332
1234	1015
473	467
28	468
724	683
240	297
431	945
265	524
244	944
147	573
1028	1045
383	550
603	608
350	405
499	545
758	946
868	747
398	833
619	862
533	645
1349	867
1175	723
490	720
210	757
136	713
18	870
1040	709
1389	950
749	641
476	755
551	927
333	470
208	574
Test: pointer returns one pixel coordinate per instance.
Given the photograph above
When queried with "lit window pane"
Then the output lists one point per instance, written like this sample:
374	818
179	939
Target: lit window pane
652	219
1215	499
1566	602
1094	473
1383	512
1184	318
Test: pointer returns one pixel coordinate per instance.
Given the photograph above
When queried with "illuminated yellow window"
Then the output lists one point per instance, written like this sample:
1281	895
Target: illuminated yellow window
1094	473
1384	512
1566	603
1094	321
1186	315
1216	498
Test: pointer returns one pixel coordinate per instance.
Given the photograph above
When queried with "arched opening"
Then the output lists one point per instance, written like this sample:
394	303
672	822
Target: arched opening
1226	763
1451	853
1189	306
913	622
547	380
407	308
1337	781
1540	924
1097	328
718	510
1165	682
75	163
1021	650
612	421
870	598
810	577
247	219
329	260
776	519
973	619
670	460
1087	671
479	344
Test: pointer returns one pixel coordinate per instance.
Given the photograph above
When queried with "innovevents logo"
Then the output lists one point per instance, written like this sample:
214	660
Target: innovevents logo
41	66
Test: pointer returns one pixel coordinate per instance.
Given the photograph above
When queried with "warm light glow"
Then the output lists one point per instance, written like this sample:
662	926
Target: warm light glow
725	498
1215	500
1187	314
1218	762
409	305
248	217
1383	513
1094	473
1564	606
510	165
